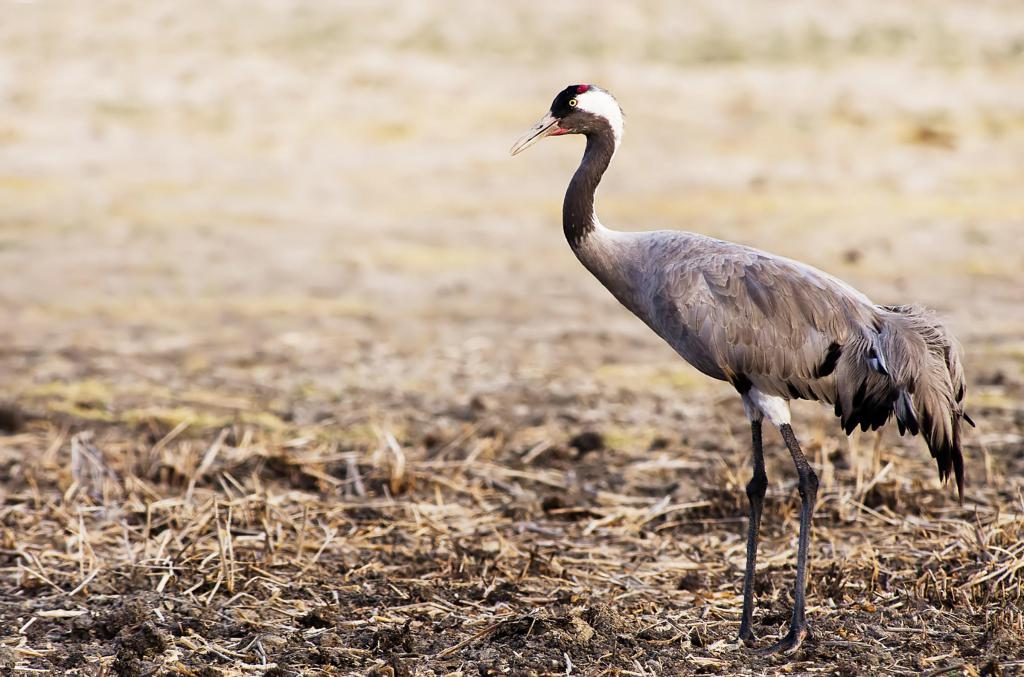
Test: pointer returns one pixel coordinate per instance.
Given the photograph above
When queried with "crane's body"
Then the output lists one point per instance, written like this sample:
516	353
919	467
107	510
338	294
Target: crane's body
685	286
776	329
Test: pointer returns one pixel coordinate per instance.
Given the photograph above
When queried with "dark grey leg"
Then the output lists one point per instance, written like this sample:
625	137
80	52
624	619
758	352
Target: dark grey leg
755	492
808	487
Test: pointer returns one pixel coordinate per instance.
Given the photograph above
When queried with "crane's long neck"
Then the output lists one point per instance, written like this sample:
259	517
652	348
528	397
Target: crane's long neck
578	218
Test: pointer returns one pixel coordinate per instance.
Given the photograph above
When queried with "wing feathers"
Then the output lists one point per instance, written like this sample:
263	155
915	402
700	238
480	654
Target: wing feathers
795	332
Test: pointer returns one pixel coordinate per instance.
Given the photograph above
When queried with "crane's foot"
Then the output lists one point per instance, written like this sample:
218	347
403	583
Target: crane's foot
790	643
747	636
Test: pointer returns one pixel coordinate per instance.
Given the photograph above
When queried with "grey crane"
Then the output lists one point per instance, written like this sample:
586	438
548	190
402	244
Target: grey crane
774	328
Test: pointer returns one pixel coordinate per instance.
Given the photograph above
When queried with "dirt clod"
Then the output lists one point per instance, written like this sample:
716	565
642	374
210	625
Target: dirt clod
320	617
586	442
12	419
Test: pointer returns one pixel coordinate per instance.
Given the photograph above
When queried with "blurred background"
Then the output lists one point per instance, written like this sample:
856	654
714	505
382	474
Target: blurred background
277	305
293	199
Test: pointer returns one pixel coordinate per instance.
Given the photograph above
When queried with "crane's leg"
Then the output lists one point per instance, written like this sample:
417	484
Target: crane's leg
755	492
808	488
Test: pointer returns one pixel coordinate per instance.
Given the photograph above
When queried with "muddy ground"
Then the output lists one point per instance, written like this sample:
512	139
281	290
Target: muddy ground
299	376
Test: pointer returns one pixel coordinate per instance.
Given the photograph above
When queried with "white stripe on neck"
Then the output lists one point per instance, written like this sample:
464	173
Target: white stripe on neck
599	102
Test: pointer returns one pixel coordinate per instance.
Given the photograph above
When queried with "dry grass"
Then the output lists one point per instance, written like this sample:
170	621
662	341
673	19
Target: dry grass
478	542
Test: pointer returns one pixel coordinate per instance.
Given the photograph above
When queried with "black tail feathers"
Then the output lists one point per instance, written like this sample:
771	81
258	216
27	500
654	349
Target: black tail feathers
911	369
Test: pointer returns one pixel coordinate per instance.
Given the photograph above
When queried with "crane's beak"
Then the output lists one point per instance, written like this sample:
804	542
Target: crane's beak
547	126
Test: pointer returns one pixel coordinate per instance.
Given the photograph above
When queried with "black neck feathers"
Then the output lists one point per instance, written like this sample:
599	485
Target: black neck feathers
578	207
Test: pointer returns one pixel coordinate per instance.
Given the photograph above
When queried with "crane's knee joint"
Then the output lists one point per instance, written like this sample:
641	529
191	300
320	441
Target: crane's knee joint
757	486
808	486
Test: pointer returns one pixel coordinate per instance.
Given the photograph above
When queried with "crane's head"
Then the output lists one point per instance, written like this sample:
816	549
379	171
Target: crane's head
578	109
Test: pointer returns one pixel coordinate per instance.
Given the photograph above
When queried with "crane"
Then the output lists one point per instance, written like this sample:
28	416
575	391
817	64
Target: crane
774	328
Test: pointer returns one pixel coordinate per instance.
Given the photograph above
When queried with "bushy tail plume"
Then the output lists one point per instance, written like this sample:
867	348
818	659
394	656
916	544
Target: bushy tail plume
910	368
923	362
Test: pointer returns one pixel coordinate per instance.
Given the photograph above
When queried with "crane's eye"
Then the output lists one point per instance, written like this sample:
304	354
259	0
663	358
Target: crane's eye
572	103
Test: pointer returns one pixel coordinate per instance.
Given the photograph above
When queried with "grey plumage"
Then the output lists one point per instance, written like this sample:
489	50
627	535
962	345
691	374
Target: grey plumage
774	328
789	330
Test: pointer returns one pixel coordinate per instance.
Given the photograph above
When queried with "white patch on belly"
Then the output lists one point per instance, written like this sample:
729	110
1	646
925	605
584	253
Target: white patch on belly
775	408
